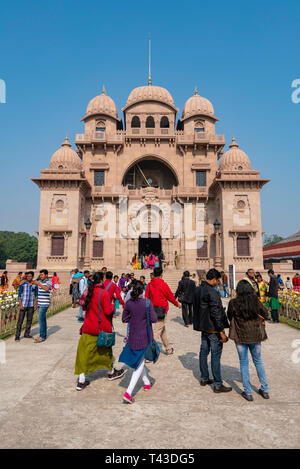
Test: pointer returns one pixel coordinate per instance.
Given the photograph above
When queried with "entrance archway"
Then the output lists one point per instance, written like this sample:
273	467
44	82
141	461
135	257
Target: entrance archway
150	243
149	172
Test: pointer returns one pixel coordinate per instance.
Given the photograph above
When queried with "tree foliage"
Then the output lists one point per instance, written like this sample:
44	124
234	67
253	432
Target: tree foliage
20	247
272	239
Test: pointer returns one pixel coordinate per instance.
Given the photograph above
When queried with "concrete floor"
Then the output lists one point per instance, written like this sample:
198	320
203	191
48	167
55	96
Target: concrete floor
40	408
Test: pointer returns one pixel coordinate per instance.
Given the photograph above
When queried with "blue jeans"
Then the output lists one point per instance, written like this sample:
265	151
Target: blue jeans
226	291
255	350
81	315
42	321
275	315
211	343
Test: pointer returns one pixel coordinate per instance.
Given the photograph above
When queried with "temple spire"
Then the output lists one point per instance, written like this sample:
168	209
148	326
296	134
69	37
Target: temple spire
196	92
149	76
103	90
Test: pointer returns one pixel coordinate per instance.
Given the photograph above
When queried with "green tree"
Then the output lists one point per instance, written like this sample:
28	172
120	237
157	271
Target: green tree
20	247
272	239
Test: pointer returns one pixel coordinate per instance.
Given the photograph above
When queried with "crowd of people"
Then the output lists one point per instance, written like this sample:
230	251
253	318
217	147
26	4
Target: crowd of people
145	309
147	261
145	306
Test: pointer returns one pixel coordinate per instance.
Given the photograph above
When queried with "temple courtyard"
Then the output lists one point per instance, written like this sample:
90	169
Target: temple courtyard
40	408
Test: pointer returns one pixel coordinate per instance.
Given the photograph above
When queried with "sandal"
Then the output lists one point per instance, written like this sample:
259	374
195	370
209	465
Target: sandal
37	341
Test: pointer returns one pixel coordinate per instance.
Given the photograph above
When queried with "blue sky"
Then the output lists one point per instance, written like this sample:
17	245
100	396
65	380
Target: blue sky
243	56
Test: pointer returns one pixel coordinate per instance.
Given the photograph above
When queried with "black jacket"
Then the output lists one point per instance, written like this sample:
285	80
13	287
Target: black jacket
273	287
209	313
188	287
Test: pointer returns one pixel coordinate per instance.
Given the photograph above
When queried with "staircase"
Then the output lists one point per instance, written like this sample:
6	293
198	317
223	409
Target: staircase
171	277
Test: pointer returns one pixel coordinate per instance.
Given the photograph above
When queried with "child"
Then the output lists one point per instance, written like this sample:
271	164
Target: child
134	351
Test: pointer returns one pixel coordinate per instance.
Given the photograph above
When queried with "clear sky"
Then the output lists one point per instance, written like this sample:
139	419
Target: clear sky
243	56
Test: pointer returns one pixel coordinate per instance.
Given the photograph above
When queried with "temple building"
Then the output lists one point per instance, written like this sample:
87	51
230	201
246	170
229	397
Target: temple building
150	182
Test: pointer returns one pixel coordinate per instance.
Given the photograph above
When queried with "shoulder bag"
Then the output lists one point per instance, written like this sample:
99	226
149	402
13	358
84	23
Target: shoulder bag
105	339
152	351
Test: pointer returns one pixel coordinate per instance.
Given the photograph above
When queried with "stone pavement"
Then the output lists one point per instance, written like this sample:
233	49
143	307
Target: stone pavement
40	408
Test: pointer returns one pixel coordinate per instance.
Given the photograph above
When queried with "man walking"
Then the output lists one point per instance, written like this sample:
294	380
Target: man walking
273	296
158	291
28	304
83	283
44	288
210	319
185	294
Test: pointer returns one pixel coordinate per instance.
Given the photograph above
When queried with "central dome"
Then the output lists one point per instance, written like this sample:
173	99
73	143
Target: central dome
150	93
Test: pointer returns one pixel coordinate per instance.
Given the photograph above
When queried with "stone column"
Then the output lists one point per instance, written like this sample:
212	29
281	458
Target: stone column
87	258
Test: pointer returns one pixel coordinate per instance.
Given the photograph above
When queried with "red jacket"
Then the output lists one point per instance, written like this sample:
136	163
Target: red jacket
160	293
114	291
91	322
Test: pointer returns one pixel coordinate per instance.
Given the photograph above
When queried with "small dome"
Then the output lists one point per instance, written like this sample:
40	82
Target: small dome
235	159
150	93
197	105
102	104
65	157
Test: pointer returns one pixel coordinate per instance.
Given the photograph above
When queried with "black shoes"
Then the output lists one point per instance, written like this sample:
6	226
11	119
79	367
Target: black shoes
263	394
17	339
28	337
204	382
248	397
222	388
116	374
81	386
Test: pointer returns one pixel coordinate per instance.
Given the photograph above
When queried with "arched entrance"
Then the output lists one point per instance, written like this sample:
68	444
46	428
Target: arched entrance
149	172
150	243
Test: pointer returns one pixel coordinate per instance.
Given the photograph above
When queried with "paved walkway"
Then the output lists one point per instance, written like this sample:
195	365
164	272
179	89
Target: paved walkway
40	408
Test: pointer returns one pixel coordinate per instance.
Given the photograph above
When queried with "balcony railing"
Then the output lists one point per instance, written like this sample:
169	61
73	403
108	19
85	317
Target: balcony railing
160	193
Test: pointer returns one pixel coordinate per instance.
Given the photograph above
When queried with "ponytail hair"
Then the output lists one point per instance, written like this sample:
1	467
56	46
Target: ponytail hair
137	290
97	278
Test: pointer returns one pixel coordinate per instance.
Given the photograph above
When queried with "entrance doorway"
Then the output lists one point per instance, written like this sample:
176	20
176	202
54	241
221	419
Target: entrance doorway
149	243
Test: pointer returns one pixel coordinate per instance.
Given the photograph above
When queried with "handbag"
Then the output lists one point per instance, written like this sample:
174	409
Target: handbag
152	350
105	339
160	311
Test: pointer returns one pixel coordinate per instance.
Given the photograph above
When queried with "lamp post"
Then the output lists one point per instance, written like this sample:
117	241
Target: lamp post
87	259
217	227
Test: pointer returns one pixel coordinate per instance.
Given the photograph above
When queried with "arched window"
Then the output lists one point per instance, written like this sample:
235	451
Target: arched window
150	124
199	126
100	126
243	246
135	122
164	123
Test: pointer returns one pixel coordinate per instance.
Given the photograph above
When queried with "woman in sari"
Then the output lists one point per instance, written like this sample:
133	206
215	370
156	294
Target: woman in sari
151	261
4	281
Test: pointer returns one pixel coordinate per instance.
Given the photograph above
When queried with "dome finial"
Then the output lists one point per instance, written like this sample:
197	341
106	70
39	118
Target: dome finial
196	91
103	90
233	143
66	143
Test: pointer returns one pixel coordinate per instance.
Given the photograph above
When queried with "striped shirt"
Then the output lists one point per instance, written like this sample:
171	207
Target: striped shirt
43	295
27	294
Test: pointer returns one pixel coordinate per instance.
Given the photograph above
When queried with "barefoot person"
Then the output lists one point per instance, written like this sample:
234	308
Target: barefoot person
90	357
246	315
133	354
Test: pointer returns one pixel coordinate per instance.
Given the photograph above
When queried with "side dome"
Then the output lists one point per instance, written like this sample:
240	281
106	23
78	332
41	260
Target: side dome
235	159
150	93
197	105
65	157
102	104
